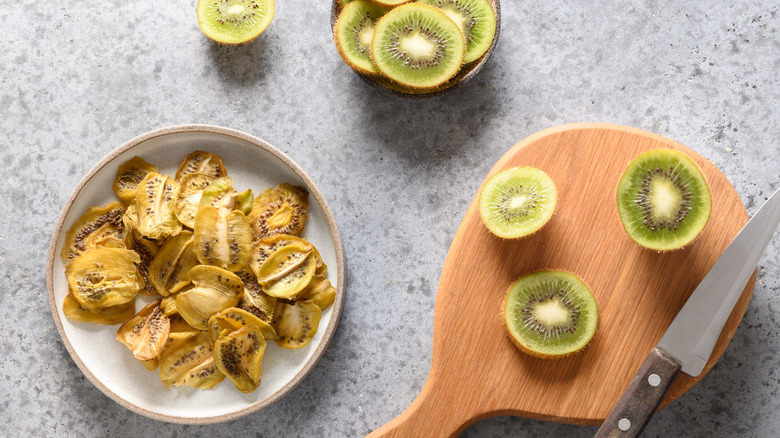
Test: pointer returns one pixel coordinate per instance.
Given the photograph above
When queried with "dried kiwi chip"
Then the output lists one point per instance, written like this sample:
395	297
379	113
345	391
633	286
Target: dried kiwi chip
279	210
146	333
296	323
215	290
155	203
169	270
188	199
129	175
99	226
108	316
232	319
291	282
191	363
202	162
102	278
239	356
223	241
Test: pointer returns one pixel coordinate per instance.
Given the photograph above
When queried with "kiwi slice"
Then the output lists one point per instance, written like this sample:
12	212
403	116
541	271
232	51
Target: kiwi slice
550	314
234	21
417	46
390	2
517	202
354	31
663	200
475	18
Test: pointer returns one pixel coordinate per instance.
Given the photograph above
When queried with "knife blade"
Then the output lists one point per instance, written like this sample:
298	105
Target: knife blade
688	342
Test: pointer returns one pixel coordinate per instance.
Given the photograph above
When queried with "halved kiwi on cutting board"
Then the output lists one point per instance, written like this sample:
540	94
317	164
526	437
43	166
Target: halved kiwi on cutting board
517	202
663	200
550	314
234	21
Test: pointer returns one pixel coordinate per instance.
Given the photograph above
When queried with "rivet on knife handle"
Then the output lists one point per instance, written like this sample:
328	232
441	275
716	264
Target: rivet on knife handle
632	412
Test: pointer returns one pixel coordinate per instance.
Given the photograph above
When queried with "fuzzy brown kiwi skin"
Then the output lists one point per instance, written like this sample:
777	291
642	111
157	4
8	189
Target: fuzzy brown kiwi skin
534	353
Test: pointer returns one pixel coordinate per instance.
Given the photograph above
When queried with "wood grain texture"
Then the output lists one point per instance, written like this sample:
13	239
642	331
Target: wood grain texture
476	371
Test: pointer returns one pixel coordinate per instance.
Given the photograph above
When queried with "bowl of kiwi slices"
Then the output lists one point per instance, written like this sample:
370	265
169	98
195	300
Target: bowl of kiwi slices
420	48
196	274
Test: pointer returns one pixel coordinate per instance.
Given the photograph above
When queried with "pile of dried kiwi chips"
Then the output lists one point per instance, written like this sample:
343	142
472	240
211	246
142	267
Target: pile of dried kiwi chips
230	270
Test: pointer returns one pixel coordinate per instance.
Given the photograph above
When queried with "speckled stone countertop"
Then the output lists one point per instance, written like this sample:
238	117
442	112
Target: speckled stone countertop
77	79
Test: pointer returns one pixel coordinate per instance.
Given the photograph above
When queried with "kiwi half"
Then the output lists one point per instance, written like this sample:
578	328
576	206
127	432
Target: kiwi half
417	46
663	200
475	18
550	314
234	21
517	202
353	33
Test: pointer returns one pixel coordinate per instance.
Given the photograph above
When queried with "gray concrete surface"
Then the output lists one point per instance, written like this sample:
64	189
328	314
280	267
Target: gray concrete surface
77	79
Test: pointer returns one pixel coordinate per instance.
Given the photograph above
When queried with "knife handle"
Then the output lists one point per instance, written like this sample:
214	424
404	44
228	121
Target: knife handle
640	400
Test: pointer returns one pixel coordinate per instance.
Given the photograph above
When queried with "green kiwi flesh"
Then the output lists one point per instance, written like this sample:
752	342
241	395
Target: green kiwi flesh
354	31
550	314
475	18
663	200
517	202
234	21
417	46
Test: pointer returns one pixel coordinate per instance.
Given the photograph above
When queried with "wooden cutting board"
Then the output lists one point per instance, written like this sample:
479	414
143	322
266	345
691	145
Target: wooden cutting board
476	372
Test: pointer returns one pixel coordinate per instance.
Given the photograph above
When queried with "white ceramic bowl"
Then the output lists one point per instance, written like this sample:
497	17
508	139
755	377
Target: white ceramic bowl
252	163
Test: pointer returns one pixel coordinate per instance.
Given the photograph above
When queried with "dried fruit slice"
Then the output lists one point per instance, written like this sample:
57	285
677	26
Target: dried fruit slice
99	226
220	194
296	324
319	291
263	248
204	376
215	290
184	358
292	282
201	162
220	241
232	319
283	261
146	250
101	278
129	174
188	199
169	269
254	300
244	201
146	333
179	333
155	200
279	210
239	355
108	316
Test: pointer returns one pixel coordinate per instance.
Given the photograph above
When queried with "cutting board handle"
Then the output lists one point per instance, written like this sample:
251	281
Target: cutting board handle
436	413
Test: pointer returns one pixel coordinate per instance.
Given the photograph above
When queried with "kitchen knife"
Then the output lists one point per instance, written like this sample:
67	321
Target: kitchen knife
690	339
